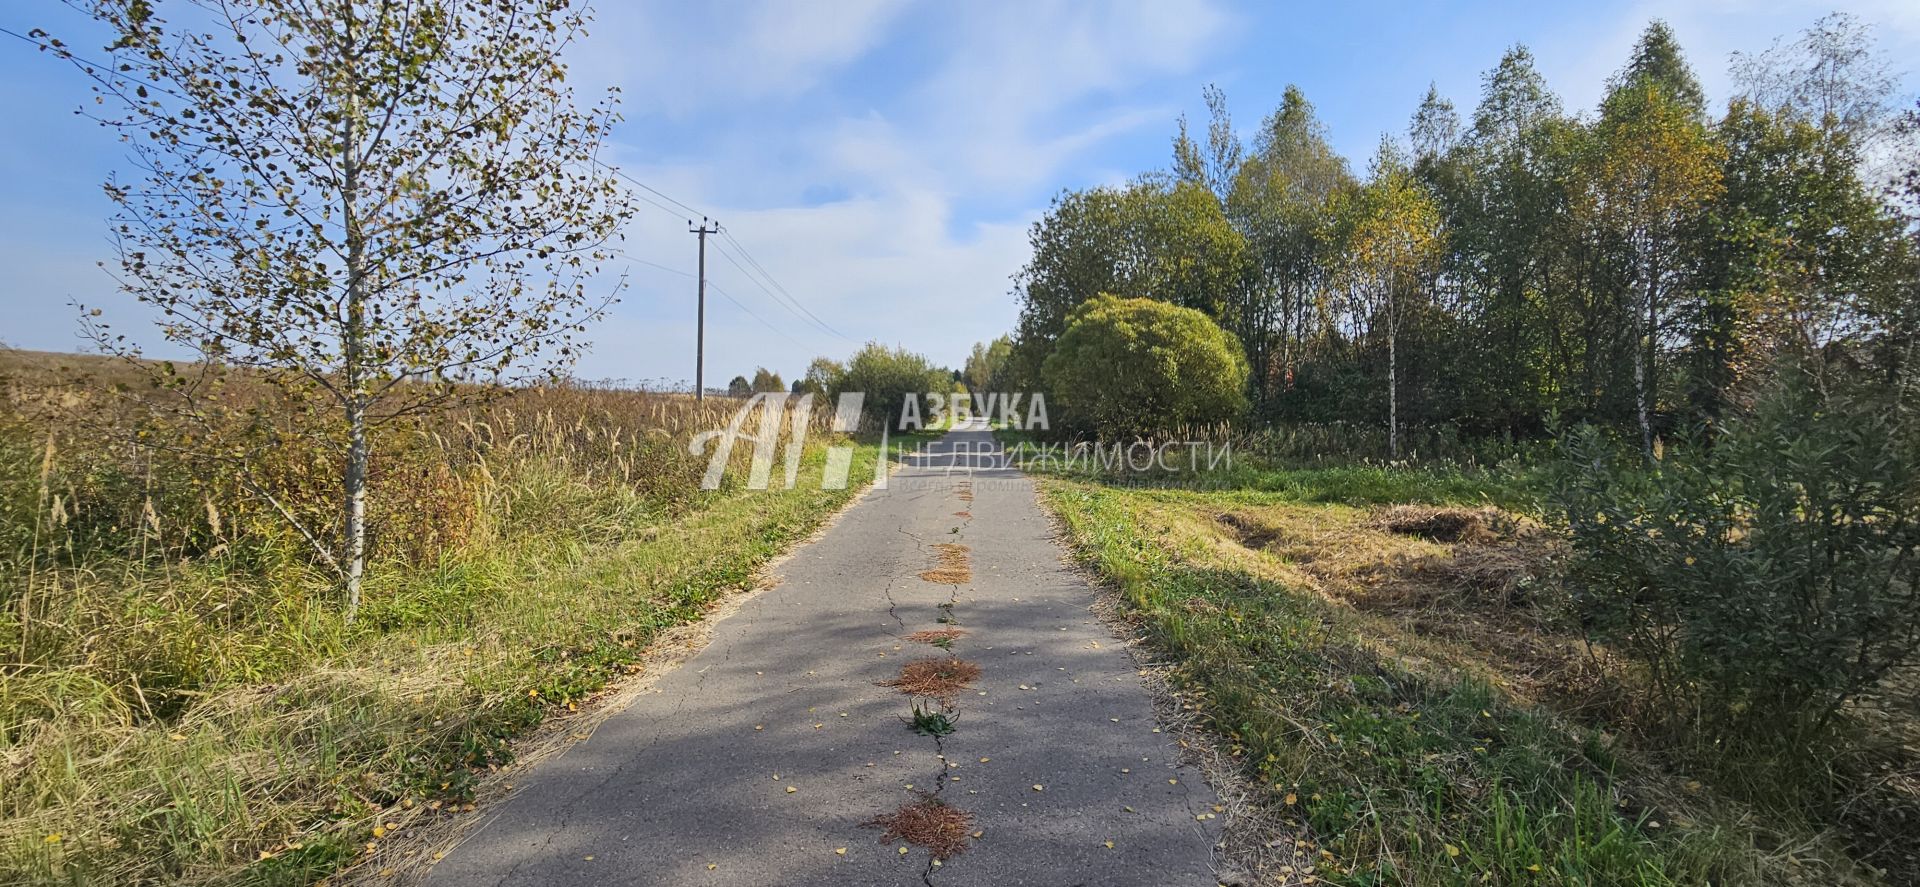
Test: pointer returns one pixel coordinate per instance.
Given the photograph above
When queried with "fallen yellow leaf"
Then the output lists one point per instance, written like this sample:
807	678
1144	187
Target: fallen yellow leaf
839	851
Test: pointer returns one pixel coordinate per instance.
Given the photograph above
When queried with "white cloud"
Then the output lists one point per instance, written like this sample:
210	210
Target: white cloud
1006	98
882	268
1021	69
682	59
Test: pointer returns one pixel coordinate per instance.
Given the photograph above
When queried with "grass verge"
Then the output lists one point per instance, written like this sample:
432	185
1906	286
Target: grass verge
292	764
1398	745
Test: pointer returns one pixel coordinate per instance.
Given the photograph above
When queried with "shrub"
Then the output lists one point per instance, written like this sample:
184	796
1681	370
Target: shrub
1763	582
819	378
1127	367
888	376
765	380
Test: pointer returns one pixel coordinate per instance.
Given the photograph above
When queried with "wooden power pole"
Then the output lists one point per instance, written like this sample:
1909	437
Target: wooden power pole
700	334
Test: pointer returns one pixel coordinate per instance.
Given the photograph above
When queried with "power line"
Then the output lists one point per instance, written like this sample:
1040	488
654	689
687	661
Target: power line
723	293
657	192
92	68
617	171
639	261
657	205
751	313
796	305
776	283
794	308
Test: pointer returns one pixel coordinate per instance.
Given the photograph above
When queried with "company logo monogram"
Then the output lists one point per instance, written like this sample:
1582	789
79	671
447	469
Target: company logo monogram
795	412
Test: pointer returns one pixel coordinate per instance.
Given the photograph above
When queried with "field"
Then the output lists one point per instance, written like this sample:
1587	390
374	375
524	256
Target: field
1387	655
183	701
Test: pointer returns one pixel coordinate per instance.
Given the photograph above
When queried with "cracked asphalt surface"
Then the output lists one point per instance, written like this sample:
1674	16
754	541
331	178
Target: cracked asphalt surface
776	745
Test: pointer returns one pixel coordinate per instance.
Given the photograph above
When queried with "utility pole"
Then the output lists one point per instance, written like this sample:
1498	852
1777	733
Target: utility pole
700	336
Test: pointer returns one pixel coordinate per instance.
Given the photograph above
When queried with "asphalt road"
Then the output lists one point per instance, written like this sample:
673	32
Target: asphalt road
1055	752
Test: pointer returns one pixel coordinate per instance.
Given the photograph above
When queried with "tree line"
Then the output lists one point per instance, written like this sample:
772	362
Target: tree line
1637	267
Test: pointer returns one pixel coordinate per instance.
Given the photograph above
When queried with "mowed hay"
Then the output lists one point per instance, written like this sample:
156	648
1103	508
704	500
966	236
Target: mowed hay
1506	574
1450	525
939	677
937	635
1490	551
952	565
1249	530
929	822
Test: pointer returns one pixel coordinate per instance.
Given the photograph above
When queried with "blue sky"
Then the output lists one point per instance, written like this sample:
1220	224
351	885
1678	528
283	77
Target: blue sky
884	159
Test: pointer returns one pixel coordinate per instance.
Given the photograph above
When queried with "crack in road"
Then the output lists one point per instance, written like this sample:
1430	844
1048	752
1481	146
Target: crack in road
686	756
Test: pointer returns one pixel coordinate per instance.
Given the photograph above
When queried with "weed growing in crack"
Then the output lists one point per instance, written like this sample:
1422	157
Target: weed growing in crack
933	721
938	637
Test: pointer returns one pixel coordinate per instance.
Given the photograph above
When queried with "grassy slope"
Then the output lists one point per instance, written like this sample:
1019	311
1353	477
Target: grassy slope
284	777
1398	752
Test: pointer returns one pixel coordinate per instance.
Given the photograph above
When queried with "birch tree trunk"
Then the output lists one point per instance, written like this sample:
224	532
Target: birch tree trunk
1393	376
1643	363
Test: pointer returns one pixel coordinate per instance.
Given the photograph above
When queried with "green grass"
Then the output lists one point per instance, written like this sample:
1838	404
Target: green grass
1246	476
294	733
1401	771
1367	485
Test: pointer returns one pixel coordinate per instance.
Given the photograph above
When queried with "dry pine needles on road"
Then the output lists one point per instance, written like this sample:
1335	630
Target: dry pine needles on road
939	677
937	636
929	822
953	565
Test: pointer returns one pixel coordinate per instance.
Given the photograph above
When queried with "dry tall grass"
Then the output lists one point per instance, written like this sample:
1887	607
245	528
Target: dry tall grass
181	700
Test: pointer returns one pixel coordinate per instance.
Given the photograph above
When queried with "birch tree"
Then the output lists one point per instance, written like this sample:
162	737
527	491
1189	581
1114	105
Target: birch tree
1393	241
1652	167
384	207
